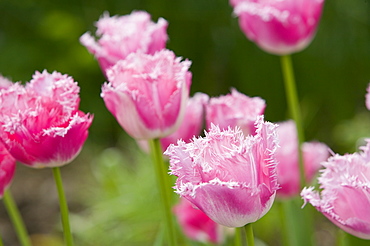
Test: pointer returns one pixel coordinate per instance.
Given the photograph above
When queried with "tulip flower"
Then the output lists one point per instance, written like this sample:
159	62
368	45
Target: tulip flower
345	192
148	94
196	225
191	125
227	175
235	109
41	125
7	169
287	155
279	27
121	35
367	101
4	82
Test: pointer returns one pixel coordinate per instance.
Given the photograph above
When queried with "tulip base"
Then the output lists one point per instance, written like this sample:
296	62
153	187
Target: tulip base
63	207
16	219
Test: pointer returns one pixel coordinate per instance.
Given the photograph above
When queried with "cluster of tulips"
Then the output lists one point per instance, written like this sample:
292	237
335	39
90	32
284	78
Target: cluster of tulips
228	174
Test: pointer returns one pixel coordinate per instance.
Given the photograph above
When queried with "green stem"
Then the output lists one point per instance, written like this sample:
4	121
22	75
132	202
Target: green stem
63	207
288	227
238	237
164	188
294	109
342	239
249	232
16	219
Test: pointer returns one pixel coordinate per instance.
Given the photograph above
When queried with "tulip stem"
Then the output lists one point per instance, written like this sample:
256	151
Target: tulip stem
238	237
249	232
342	239
294	109
16	219
164	188
63	207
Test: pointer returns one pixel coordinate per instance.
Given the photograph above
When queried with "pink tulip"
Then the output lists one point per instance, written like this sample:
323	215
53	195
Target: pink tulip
4	82
196	225
279	26
287	155
235	109
229	176
367	101
41	125
191	125
345	192
122	35
148	93
7	169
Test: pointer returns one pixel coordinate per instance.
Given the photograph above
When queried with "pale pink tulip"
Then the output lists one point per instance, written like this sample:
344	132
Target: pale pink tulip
4	82
121	35
196	225
7	169
279	26
229	176
235	109
345	192
148	93
41	125
287	155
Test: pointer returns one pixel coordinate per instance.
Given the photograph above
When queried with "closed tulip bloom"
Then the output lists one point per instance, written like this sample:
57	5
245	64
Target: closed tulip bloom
148	94
279	27
121	35
229	176
196	225
41	125
235	109
287	156
7	168
345	192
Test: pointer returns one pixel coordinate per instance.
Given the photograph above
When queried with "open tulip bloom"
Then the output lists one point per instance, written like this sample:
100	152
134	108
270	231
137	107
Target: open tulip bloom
120	36
229	176
279	27
41	125
345	192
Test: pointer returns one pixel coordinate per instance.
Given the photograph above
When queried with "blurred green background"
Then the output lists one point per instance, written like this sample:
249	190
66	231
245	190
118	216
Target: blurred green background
332	73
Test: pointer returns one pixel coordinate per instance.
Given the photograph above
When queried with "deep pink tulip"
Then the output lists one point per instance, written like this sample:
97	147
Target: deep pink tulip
121	35
235	109
345	192
287	155
196	225
148	93
229	176
7	169
279	26
41	125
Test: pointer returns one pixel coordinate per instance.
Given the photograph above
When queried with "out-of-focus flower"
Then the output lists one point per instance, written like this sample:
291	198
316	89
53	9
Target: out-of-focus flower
345	192
147	94
121	35
191	125
229	176
235	109
196	225
7	169
279	26
287	156
41	125
367	101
